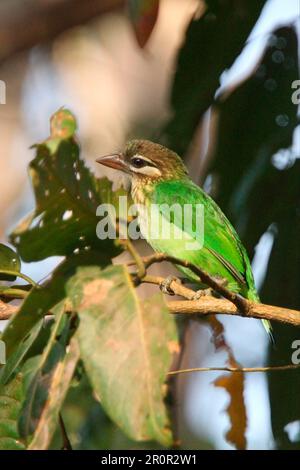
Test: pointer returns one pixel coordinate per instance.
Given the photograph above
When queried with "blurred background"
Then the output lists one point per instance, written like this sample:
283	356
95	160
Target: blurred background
214	83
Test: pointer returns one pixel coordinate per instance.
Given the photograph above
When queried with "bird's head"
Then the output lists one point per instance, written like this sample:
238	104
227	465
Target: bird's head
146	161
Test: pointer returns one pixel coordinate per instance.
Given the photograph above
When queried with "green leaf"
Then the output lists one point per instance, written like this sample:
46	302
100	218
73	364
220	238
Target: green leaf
67	195
11	397
10	263
40	301
57	389
38	390
126	346
143	15
20	352
212	44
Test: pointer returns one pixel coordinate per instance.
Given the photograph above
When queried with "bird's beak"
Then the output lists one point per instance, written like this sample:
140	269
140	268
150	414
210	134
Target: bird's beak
115	161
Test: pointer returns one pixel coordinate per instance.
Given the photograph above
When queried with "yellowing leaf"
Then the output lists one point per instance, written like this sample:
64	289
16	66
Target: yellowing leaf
125	347
63	124
233	383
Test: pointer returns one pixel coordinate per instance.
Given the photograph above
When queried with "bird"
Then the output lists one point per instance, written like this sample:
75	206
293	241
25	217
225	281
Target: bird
159	179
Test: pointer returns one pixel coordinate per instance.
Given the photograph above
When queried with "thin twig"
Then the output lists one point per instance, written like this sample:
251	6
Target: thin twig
11	293
235	369
137	259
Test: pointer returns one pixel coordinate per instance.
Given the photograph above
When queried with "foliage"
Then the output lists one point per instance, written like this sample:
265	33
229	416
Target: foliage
127	377
11	398
104	354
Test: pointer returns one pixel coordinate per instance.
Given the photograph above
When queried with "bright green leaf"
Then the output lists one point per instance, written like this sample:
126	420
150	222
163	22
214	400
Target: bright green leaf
11	397
9	263
22	348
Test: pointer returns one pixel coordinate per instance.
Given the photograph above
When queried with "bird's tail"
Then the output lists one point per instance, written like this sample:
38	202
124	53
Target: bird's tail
253	295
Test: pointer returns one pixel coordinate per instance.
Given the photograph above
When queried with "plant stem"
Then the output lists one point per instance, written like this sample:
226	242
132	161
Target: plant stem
236	369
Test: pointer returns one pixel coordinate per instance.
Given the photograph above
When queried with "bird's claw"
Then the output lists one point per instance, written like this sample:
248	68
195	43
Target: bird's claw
221	280
201	293
165	285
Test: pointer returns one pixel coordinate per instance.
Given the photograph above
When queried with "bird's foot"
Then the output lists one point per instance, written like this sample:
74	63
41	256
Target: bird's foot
202	293
221	280
165	285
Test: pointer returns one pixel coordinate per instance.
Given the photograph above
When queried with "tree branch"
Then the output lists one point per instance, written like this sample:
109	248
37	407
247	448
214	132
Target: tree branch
209	305
25	24
176	287
6	310
218	286
233	304
137	259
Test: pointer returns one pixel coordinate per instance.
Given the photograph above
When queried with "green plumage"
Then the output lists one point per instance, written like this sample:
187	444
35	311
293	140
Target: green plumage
222	255
160	179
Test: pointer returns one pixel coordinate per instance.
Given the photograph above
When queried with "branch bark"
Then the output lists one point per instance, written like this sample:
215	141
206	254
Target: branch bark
205	278
6	310
209	305
26	24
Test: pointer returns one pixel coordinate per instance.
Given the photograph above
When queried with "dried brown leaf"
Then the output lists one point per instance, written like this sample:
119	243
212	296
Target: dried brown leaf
233	383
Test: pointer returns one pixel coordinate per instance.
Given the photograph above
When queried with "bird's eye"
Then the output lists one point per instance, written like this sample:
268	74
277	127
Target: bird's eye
138	162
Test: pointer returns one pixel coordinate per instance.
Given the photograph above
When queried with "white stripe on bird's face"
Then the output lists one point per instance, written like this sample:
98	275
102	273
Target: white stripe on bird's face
146	170
138	165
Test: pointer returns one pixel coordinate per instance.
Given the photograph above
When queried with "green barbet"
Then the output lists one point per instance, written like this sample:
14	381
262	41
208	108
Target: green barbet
159	179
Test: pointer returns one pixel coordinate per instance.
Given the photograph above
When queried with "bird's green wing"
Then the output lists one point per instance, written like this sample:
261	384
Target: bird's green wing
221	242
